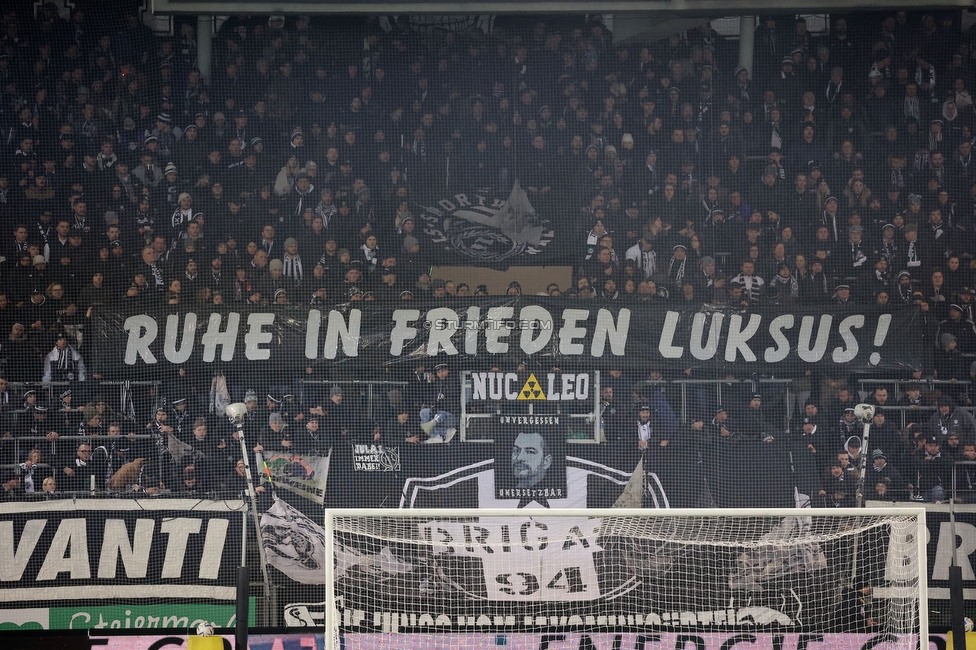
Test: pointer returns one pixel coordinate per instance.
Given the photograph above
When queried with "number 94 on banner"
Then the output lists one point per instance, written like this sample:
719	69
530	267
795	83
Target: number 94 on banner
543	581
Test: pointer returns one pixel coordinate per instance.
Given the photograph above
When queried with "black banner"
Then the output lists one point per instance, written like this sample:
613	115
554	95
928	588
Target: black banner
119	549
554	332
941	540
528	572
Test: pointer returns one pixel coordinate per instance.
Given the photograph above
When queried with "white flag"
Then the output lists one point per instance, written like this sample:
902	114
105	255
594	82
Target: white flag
294	544
517	218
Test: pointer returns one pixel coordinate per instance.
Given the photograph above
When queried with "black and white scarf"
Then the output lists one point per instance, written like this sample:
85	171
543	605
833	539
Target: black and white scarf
302	199
897	179
371	256
912	108
905	292
677	273
833	91
644	430
160	439
180	218
28	476
326	212
788	283
66	360
648	263
820	279
913	260
44	231
293	268
888	249
157	277
775	138
129	187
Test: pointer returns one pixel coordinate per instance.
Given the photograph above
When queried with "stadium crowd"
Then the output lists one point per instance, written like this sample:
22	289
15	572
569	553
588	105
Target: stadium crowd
835	172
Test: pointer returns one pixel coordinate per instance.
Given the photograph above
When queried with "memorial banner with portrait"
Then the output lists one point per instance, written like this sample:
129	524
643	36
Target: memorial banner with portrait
533	449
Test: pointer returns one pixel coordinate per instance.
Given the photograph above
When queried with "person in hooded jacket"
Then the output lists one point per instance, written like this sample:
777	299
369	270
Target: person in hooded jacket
948	418
846	425
207	458
810	453
752	421
881	471
931	473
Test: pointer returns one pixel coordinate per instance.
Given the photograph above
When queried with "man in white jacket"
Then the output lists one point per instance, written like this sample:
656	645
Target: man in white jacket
63	363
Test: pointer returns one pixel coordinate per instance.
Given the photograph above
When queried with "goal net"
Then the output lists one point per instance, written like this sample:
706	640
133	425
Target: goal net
398	575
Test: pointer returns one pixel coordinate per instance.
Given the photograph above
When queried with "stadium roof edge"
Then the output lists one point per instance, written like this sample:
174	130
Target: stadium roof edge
677	7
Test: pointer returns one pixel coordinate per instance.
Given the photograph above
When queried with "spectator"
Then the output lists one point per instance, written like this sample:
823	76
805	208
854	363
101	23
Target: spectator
966	475
809	453
9	486
343	418
402	428
77	473
950	419
438	417
838	490
49	486
752	422
206	460
32	473
931	473
895	487
63	363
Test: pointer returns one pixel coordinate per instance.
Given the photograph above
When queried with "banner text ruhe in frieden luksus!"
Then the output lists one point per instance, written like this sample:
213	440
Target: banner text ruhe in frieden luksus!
548	331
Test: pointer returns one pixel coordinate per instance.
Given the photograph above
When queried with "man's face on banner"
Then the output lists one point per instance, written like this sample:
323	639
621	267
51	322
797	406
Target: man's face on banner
530	459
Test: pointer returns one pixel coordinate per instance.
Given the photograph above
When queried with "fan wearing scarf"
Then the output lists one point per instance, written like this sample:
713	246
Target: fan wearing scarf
678	265
181	216
784	286
64	362
904	290
292	262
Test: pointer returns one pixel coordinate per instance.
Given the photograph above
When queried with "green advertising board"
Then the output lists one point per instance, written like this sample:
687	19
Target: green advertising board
174	616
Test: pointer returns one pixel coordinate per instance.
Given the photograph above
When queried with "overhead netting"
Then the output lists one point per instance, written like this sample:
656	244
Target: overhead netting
472	261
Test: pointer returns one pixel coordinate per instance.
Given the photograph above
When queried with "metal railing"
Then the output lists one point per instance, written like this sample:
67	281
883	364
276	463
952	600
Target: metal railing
49	393
902	413
754	385
864	386
586	425
46	391
367	390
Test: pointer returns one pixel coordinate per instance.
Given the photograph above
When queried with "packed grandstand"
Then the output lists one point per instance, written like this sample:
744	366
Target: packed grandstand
344	165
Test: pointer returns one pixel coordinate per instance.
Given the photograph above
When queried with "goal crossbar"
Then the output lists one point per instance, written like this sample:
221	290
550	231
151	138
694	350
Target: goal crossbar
738	513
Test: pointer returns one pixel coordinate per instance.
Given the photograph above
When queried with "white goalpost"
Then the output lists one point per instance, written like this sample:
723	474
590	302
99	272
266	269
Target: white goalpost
394	576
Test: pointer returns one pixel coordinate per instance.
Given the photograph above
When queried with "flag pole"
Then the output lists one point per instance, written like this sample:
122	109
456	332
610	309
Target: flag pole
236	414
